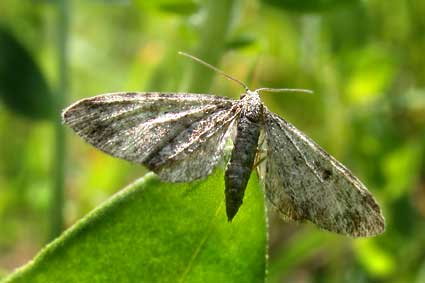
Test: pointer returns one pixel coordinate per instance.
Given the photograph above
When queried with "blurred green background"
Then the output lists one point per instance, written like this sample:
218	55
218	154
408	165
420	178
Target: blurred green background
363	59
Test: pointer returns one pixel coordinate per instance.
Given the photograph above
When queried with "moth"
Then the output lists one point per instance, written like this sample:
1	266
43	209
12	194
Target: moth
181	137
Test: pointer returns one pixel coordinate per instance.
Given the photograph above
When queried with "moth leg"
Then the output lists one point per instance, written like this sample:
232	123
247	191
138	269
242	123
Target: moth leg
261	154
258	161
260	157
262	139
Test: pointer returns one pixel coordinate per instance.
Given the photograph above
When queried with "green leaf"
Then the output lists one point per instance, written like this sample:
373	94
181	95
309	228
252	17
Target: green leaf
22	85
308	5
240	42
184	8
160	232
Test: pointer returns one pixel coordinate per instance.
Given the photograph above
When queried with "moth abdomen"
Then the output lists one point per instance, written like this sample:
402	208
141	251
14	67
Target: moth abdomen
243	156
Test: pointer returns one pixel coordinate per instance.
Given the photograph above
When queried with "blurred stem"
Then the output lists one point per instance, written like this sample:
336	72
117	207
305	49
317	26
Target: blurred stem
213	31
57	199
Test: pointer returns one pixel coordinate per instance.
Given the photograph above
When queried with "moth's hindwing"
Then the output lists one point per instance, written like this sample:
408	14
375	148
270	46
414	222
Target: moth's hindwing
302	181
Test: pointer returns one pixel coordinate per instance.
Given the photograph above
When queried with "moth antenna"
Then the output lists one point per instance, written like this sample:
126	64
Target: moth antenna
285	90
214	68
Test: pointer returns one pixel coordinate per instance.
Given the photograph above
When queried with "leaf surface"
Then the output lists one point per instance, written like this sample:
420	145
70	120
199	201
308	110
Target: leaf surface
160	232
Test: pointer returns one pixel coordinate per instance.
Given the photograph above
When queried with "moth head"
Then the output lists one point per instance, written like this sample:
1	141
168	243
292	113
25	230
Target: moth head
252	92
249	93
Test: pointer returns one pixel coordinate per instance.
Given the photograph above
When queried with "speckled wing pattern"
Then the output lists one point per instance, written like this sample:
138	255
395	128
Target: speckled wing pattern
180	136
303	182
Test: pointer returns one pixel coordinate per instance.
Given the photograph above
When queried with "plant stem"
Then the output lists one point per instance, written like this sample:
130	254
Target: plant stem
212	42
57	199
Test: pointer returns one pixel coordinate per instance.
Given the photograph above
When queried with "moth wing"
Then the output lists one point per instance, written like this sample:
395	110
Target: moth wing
139	126
268	171
302	181
195	152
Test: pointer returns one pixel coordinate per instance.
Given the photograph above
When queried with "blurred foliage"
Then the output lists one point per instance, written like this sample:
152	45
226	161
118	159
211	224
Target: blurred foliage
22	85
363	59
308	5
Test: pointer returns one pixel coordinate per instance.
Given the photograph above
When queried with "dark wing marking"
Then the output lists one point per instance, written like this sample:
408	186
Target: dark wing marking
139	127
304	182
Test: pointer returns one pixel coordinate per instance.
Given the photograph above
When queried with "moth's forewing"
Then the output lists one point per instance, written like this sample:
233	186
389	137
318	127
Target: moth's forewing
195	152
302	181
169	132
